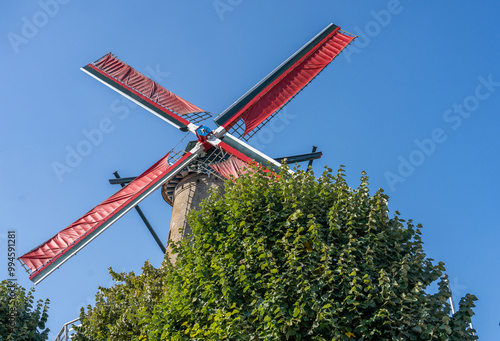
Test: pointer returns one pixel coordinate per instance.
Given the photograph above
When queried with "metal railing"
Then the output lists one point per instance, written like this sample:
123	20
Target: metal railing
67	332
452	304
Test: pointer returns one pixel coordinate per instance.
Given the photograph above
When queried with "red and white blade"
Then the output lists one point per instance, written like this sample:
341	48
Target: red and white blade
144	91
281	85
44	259
242	155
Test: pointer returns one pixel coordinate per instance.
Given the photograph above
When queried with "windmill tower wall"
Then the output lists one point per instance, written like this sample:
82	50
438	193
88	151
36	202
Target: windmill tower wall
188	194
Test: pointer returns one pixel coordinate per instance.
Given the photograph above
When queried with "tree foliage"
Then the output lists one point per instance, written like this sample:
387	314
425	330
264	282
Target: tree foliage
122	311
287	257
20	319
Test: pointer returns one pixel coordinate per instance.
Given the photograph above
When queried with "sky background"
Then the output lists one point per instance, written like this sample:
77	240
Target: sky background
413	102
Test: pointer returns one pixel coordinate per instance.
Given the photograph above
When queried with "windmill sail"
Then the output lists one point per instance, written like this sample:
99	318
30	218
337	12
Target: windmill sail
241	154
230	167
145	92
281	85
48	256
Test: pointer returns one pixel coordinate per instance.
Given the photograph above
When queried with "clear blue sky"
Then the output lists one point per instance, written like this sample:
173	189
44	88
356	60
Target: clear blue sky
414	102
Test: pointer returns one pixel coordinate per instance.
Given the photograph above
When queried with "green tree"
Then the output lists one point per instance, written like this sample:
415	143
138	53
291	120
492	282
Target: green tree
20	320
119	310
288	257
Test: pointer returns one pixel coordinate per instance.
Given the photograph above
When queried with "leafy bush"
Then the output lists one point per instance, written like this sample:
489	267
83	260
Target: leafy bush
19	319
287	257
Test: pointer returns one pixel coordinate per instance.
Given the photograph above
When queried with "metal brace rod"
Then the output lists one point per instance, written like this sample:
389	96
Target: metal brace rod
301	158
138	209
310	164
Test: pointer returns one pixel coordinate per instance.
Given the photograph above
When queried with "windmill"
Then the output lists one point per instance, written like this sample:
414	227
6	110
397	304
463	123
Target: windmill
216	154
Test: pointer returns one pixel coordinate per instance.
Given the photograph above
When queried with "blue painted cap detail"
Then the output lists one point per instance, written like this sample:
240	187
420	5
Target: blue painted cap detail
203	131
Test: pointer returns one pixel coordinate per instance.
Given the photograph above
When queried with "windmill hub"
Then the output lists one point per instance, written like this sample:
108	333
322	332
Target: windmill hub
205	136
203	131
